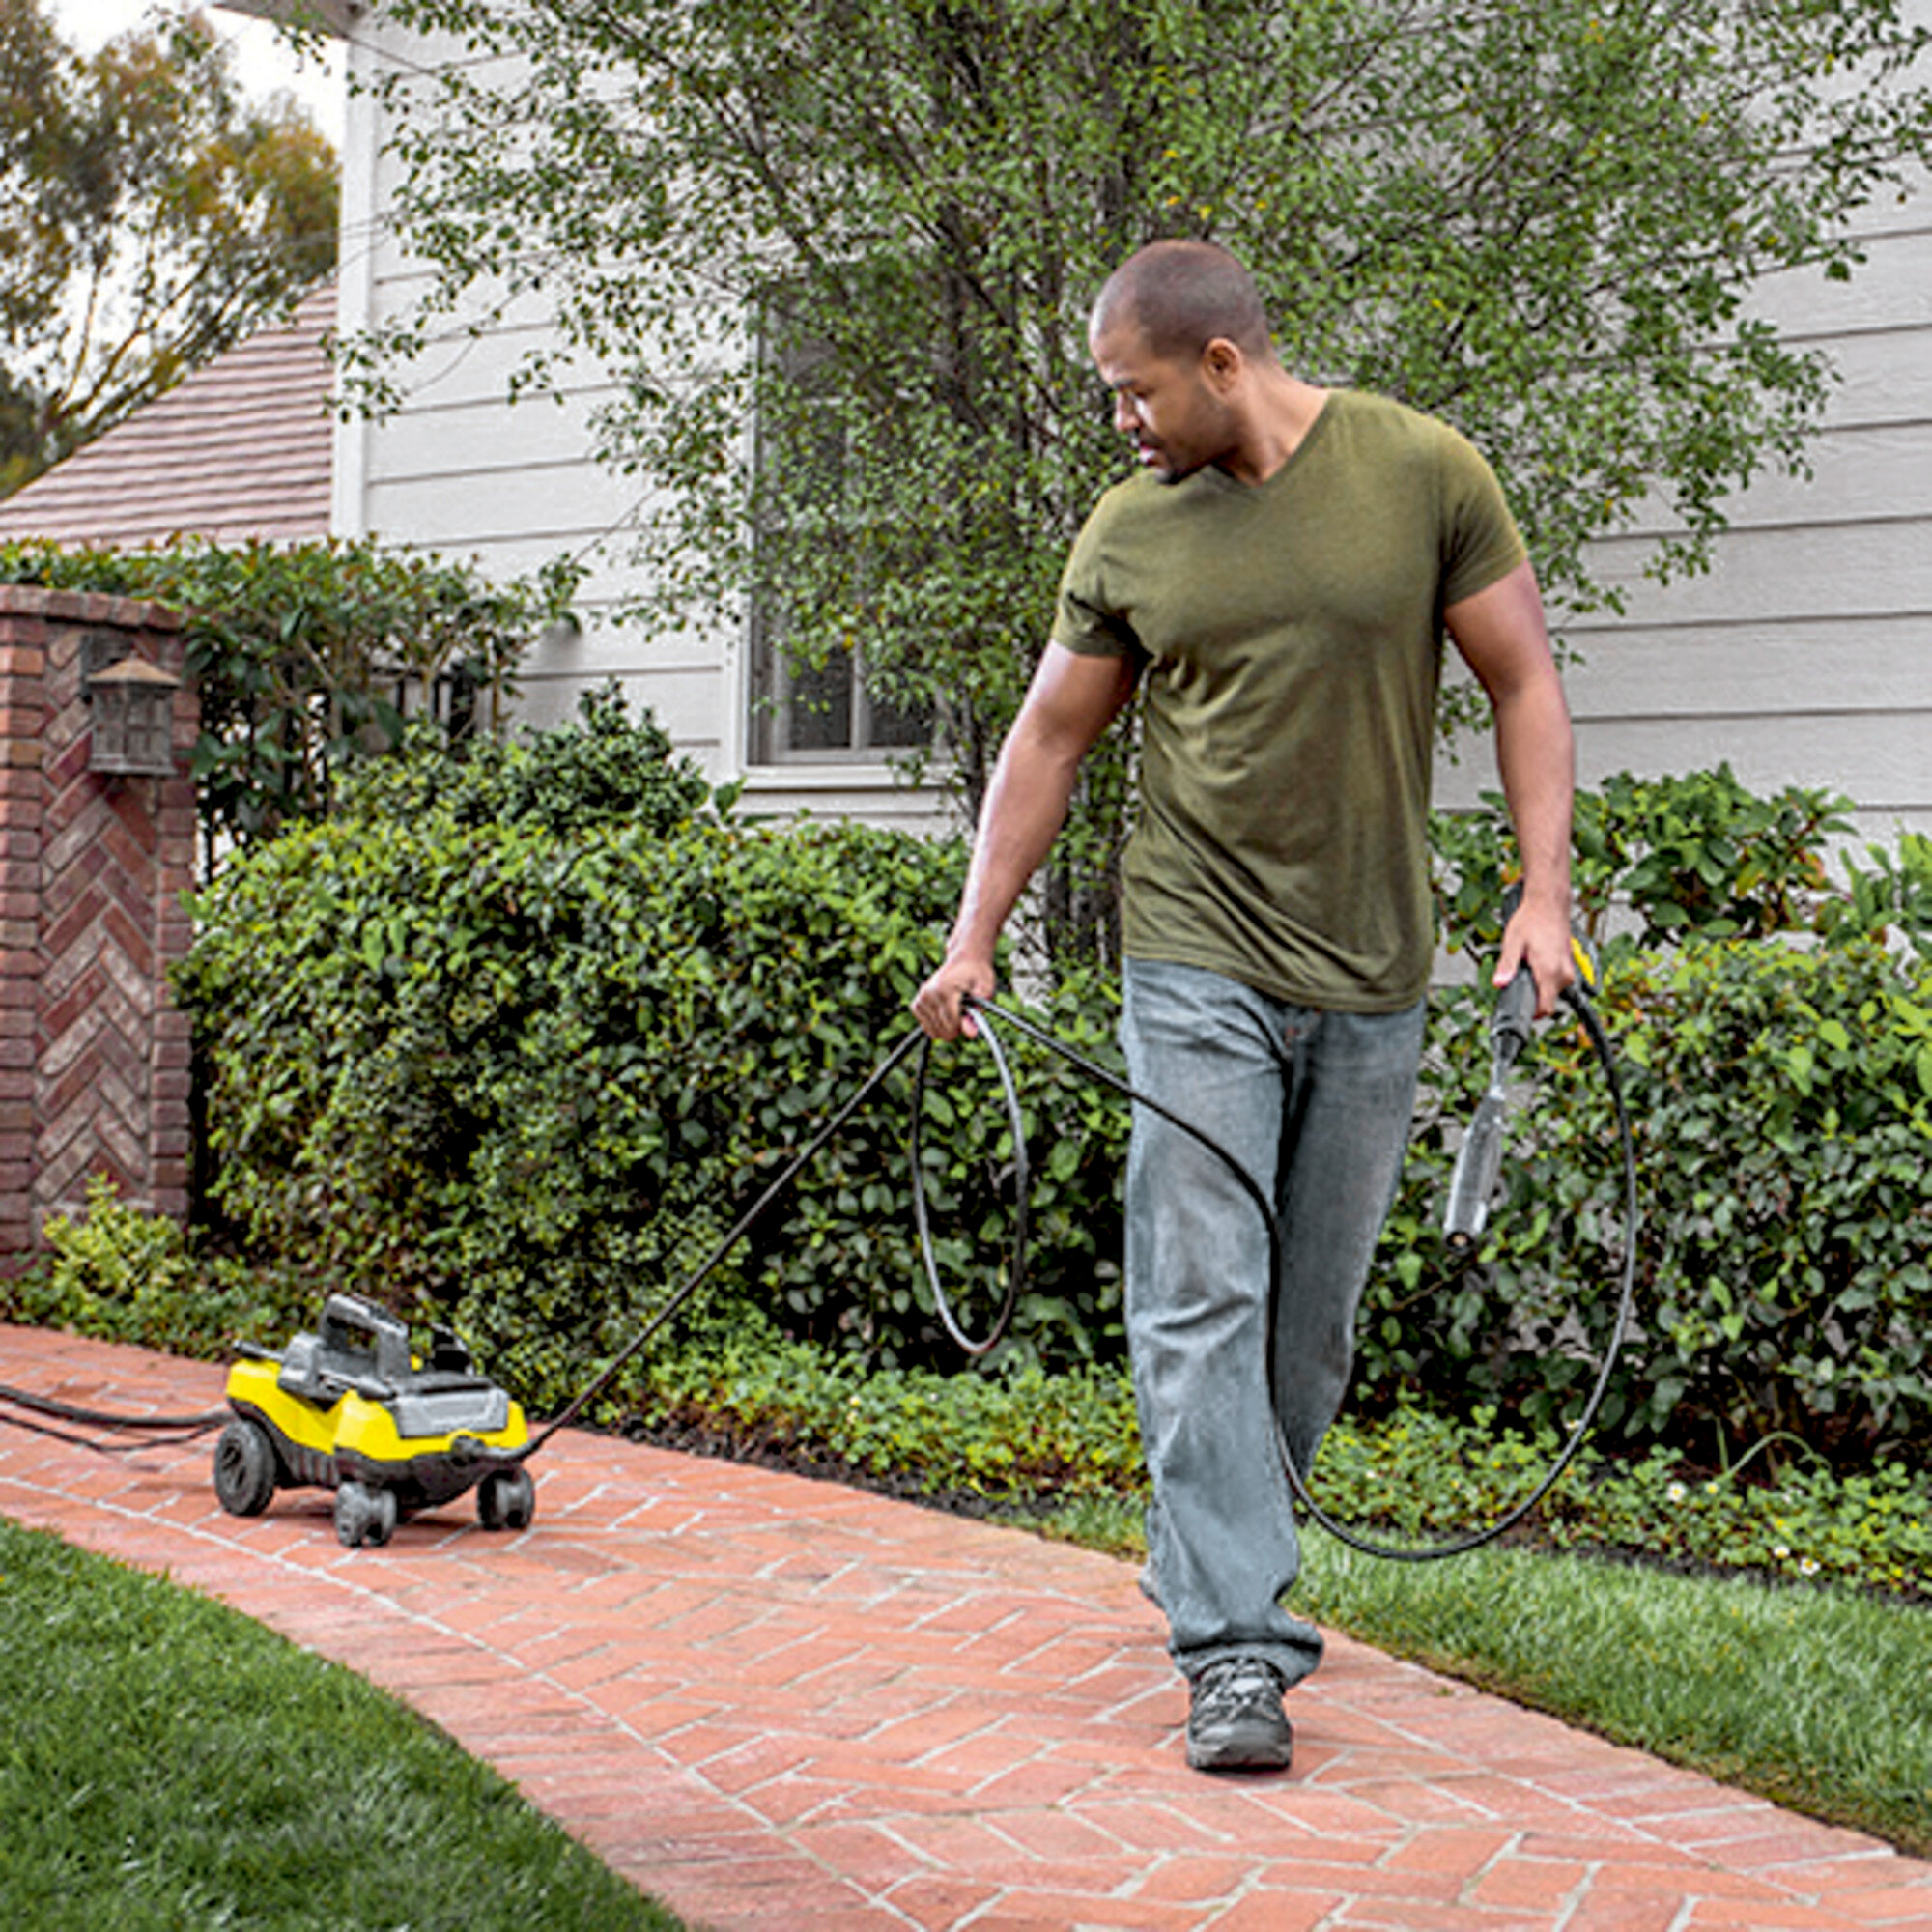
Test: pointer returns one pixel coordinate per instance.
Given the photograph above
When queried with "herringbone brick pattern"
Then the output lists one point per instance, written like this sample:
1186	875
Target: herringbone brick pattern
93	1061
780	1703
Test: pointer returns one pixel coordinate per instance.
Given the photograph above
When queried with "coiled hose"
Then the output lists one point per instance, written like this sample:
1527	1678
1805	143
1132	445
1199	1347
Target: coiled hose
990	1019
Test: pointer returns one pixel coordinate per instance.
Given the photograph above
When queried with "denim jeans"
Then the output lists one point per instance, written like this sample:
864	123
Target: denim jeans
1316	1106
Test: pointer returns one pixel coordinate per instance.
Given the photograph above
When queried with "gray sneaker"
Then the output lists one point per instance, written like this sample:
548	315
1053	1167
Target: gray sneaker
1236	1721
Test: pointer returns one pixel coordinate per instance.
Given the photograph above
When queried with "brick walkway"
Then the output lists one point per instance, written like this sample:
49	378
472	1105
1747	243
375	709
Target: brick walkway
776	1703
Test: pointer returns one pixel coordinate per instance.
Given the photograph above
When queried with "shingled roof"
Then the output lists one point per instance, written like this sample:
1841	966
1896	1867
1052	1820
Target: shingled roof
240	448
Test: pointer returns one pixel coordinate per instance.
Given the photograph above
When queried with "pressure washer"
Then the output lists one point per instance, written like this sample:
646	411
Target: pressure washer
352	1408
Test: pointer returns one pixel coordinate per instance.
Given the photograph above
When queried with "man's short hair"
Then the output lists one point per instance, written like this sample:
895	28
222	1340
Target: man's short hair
1180	296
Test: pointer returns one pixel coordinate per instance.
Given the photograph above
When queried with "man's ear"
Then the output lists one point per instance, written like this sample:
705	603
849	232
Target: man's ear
1222	364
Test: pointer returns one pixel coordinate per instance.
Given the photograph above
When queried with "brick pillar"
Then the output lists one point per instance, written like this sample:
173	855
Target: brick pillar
93	1056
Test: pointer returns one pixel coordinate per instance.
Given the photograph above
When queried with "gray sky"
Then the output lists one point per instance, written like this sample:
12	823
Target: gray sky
262	61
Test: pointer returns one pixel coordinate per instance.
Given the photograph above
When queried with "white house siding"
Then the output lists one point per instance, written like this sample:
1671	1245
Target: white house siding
1804	657
461	471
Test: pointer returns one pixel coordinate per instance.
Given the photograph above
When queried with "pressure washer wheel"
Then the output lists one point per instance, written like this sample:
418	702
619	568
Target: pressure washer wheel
506	1499
364	1513
245	1468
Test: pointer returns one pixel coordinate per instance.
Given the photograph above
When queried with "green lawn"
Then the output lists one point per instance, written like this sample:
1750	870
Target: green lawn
1817	1698
167	1765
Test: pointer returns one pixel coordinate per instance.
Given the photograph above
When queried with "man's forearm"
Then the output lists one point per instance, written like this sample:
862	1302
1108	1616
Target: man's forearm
1535	754
1026	804
1071	701
1536	757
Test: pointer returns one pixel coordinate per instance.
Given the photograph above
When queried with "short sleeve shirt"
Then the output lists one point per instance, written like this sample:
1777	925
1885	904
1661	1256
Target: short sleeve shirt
1291	639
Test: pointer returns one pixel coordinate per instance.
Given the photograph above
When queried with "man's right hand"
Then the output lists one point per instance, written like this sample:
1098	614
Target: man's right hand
936	1006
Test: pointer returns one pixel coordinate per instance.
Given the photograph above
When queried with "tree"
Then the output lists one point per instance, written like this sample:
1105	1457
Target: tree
874	227
147	217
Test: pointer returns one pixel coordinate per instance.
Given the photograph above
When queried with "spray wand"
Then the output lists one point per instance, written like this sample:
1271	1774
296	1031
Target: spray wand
1478	1162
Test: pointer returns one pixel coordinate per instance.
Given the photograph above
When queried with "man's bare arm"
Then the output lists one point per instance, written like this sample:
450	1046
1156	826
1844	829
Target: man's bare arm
1501	634
1071	701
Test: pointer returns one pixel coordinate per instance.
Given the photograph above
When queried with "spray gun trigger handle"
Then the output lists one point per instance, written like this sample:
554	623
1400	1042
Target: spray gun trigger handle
1584	957
1515	1012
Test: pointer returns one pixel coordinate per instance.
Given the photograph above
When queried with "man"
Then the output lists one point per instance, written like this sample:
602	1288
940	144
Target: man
1276	583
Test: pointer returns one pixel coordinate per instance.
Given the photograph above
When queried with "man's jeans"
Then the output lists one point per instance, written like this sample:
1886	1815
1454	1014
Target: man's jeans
1317	1107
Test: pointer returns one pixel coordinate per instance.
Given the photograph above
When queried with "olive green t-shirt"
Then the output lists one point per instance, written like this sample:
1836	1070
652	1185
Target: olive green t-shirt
1291	639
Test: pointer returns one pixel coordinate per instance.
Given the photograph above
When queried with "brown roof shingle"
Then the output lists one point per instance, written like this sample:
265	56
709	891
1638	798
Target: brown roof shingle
240	448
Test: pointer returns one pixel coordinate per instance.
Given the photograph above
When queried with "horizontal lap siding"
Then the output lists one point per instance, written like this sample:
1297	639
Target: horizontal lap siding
1803	657
461	471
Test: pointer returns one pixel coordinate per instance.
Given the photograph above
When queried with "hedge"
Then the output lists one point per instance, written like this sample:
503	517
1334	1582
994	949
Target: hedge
1781	1101
517	1038
300	655
529	1078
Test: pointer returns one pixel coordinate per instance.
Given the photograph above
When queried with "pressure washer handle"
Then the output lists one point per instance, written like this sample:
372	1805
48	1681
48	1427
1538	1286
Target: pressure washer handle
1480	1159
1514	1019
1515	1016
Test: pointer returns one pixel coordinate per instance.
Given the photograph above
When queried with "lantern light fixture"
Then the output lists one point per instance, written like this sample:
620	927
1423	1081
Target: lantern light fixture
133	719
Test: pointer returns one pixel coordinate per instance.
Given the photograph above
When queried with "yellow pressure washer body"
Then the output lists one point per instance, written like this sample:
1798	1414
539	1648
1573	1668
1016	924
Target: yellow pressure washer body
350	1409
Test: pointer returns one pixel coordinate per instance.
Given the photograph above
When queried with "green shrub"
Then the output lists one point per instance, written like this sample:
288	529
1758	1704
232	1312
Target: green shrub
127	1276
299	652
1887	897
1017	1433
1702	855
1782	1099
1696	856
603	768
521	1034
529	1068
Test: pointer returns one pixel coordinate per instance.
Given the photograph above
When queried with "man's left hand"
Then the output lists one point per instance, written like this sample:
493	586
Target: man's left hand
1538	936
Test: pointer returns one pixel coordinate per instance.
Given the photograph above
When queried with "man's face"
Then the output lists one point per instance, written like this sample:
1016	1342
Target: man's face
1170	408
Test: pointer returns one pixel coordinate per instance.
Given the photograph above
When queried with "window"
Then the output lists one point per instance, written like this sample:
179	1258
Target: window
818	706
823	712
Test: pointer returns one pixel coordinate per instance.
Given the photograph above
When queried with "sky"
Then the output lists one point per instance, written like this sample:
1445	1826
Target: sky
264	62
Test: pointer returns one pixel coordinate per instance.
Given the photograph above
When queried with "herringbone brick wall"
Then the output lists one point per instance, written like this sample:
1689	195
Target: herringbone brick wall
94	1057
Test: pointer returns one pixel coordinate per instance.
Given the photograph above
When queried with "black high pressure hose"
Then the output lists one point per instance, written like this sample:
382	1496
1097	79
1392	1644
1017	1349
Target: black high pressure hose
151	1432
989	1016
1512	1025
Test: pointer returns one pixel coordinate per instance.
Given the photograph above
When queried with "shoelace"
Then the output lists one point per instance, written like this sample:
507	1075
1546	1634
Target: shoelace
1229	1687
